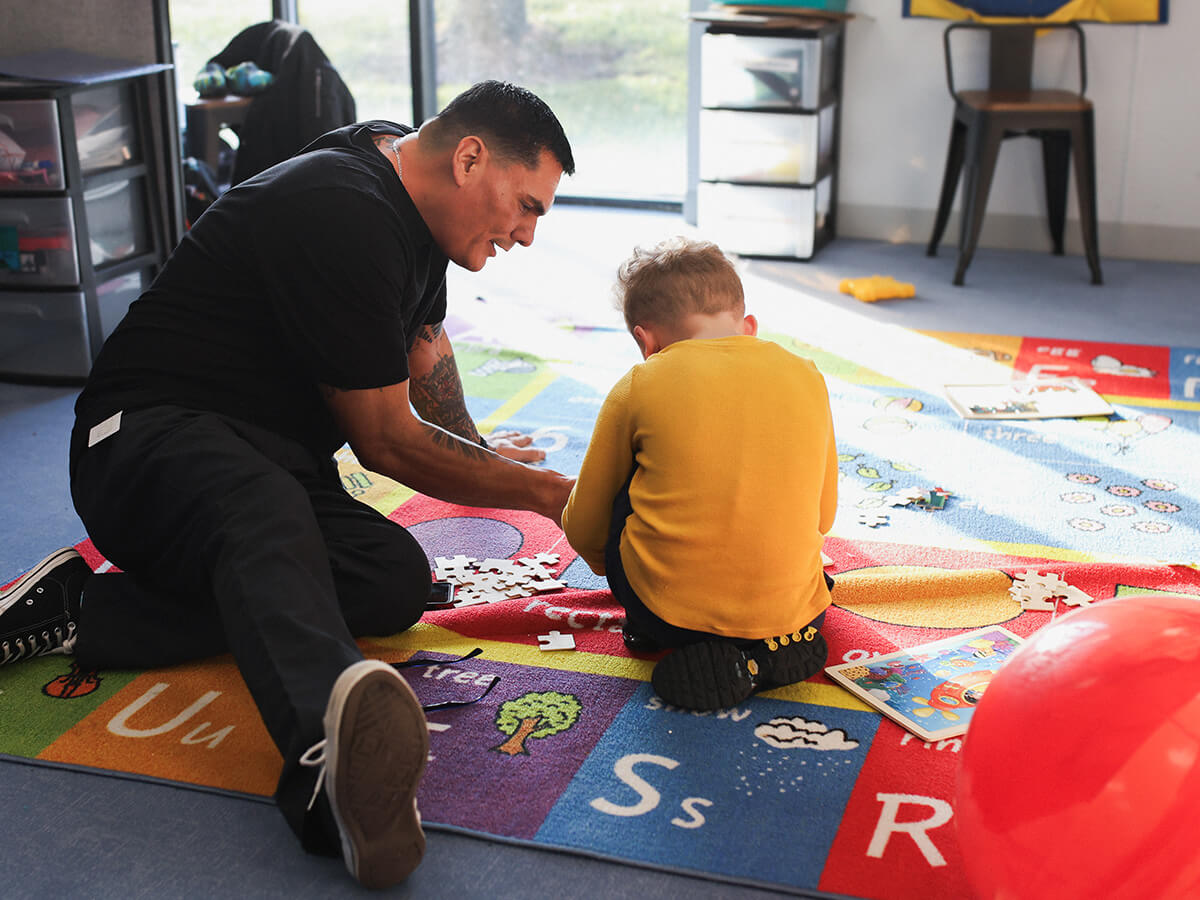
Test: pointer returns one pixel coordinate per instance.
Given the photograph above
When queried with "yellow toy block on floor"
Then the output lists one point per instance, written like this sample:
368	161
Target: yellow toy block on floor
877	287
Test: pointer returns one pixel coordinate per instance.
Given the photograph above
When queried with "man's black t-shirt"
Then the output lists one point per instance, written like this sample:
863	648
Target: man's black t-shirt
317	271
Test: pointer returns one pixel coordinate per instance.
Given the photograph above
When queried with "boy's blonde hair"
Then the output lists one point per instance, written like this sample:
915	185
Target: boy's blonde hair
665	284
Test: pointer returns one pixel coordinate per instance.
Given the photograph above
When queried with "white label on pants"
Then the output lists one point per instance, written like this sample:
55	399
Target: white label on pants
105	429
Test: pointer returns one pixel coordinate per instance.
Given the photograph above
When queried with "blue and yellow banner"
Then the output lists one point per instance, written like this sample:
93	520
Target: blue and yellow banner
1111	11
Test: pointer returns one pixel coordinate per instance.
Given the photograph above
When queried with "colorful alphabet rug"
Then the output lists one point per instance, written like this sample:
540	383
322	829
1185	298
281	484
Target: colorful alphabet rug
945	525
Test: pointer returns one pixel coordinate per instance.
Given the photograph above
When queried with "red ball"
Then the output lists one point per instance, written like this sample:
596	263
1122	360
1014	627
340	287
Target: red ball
1080	772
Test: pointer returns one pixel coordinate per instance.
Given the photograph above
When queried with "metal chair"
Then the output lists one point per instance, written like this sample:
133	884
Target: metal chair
1009	107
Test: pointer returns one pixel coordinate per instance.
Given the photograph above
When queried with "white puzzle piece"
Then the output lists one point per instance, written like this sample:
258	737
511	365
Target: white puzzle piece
556	640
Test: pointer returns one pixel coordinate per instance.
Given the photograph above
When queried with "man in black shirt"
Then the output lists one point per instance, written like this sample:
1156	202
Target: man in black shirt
302	311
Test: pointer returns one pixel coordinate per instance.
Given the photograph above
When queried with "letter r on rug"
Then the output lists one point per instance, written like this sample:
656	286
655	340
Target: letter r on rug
887	825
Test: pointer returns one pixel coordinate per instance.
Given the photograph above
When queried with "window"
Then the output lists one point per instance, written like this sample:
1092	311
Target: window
367	42
613	71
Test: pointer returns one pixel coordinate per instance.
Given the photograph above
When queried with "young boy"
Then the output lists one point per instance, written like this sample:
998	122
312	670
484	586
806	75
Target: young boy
708	486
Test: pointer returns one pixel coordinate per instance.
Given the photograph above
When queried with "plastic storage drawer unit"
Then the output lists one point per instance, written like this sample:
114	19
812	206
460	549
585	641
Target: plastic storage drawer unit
752	220
755	72
89	169
775	148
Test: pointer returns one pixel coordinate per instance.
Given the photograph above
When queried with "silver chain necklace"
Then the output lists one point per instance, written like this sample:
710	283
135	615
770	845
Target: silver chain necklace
396	154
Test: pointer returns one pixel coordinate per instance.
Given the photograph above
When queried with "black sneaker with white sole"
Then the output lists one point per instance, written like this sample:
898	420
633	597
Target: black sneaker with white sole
717	674
372	758
39	612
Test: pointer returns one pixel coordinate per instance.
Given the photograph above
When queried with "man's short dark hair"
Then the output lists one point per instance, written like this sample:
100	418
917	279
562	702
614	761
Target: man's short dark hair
515	123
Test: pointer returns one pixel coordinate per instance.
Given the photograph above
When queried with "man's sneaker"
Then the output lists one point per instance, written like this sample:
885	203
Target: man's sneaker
40	611
717	674
374	752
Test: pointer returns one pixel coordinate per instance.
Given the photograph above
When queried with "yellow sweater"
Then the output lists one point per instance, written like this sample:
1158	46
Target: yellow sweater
735	489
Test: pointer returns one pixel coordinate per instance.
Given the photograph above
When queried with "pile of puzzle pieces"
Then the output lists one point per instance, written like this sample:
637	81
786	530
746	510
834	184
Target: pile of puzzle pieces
493	580
1034	590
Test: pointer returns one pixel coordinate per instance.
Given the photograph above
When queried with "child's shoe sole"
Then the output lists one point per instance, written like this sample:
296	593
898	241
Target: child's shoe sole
707	676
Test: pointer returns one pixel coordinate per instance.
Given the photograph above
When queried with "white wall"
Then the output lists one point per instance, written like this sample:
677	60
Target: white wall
1143	79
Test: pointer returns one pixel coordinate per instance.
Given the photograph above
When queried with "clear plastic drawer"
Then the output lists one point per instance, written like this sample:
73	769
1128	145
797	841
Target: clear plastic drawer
774	147
116	220
43	335
37	242
104	127
30	146
758	72
753	220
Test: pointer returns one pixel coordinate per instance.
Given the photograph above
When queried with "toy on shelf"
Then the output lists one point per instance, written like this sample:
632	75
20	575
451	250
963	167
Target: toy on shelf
244	80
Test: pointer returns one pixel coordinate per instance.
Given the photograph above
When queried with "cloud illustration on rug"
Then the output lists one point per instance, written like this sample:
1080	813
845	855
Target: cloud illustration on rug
797	733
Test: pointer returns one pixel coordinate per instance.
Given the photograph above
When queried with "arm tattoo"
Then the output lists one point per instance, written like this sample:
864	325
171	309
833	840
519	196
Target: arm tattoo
430	333
438	398
452	442
383	142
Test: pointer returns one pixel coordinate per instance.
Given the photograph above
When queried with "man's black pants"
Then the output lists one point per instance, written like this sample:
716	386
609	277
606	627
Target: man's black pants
231	538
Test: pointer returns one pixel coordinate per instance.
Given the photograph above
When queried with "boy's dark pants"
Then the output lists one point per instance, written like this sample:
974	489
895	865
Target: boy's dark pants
638	619
234	539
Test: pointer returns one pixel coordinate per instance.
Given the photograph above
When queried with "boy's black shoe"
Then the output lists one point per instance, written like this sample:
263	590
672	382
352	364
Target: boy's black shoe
717	674
788	658
707	676
39	612
639	643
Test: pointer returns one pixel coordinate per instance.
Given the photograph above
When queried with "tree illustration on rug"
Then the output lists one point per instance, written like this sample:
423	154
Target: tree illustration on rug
535	715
